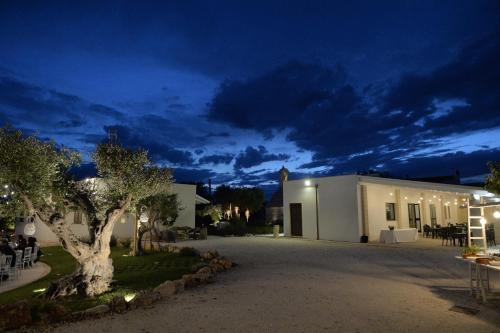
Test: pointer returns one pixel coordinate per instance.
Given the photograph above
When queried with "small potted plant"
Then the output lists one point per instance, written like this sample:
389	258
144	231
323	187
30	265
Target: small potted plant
470	251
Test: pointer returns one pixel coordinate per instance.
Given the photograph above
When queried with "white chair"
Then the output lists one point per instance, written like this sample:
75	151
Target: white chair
27	256
34	255
5	262
19	261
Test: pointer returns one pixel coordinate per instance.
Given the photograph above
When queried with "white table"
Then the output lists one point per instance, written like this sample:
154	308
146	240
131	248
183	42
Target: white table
479	273
398	236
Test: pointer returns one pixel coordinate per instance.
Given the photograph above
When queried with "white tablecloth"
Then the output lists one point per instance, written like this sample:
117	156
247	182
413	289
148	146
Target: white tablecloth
398	236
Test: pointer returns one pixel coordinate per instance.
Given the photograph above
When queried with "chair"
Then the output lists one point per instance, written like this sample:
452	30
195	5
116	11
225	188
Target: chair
446	236
27	256
5	262
19	261
427	230
34	255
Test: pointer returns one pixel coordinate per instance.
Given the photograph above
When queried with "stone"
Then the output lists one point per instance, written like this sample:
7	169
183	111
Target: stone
209	255
118	304
15	315
189	281
179	285
167	289
144	299
54	313
205	269
97	310
203	277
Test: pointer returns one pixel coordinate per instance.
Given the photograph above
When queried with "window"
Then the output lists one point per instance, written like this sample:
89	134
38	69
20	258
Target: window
390	211
432	209
77	217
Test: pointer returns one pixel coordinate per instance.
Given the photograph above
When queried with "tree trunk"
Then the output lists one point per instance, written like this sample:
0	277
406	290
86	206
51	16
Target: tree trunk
93	274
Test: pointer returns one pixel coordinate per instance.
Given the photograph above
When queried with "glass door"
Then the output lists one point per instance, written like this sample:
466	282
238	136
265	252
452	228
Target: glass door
414	218
432	210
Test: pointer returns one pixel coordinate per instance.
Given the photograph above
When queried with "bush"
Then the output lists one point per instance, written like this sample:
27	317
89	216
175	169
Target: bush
126	243
113	241
188	252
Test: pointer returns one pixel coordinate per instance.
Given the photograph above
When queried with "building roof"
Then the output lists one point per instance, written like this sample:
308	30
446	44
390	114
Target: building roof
201	200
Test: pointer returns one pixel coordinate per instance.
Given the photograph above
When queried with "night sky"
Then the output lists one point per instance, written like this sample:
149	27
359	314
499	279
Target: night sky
234	90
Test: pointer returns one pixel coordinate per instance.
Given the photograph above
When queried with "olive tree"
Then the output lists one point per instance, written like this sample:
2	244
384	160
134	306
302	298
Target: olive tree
37	171
493	180
161	209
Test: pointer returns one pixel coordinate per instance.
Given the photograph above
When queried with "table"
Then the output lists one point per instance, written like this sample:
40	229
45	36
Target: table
398	236
479	273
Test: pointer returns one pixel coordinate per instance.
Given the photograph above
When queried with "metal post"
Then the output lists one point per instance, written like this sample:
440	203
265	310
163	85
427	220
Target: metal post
317	214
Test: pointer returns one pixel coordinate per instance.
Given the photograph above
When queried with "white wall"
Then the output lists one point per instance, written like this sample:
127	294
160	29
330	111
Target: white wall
337	206
186	194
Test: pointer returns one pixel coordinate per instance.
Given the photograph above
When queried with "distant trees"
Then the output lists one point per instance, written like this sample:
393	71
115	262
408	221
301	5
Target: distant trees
241	197
493	180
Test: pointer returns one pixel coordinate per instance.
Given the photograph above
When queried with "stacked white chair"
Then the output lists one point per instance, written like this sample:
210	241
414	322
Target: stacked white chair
19	261
5	262
27	256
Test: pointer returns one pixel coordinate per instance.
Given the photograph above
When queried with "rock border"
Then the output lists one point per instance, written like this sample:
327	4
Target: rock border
202	273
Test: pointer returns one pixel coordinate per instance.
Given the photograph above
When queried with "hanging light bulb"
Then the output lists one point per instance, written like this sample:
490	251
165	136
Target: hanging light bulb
483	221
496	214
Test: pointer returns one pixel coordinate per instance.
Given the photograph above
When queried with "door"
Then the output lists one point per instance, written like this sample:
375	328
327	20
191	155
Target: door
296	219
432	210
414	216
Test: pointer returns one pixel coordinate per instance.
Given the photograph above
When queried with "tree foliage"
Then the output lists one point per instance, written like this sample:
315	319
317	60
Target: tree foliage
493	179
251	198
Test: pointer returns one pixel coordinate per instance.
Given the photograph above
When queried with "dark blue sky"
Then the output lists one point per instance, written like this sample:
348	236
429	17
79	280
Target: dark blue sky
233	90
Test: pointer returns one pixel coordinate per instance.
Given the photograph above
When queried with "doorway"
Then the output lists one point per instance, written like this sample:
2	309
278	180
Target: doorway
414	216
296	219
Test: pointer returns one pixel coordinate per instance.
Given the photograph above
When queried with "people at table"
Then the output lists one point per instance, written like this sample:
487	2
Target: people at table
33	244
21	243
6	250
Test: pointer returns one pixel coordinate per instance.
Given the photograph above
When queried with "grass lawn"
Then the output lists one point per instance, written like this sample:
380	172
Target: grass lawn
131	274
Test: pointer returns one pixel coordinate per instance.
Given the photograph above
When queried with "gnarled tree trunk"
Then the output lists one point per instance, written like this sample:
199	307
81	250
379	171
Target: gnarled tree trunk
94	271
93	274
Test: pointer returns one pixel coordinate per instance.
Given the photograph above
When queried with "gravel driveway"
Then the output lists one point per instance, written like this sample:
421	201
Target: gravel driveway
292	285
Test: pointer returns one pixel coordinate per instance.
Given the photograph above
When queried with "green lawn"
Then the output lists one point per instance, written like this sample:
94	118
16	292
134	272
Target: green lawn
131	274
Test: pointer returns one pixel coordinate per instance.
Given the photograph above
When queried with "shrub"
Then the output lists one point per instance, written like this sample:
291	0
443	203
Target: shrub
188	252
113	241
126	243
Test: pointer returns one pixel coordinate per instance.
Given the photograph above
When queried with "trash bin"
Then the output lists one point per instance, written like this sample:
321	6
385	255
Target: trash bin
203	233
276	230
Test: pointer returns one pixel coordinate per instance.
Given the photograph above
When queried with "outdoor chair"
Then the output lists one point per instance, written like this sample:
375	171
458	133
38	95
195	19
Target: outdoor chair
447	236
5	262
27	256
19	261
427	230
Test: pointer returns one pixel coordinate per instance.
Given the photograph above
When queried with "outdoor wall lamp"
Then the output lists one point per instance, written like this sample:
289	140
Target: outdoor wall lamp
496	214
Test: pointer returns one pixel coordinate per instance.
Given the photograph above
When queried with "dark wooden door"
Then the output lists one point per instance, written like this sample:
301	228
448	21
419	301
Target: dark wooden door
296	219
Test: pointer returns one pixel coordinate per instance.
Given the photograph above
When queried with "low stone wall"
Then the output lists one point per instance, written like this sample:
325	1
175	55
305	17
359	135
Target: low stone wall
203	273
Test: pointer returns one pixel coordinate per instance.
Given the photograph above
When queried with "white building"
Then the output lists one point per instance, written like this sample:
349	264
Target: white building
344	208
186	194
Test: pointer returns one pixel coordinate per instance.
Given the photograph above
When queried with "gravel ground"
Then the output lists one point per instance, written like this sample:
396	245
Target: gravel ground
293	285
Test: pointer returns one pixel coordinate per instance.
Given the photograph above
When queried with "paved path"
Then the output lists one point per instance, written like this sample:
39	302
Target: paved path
28	275
291	285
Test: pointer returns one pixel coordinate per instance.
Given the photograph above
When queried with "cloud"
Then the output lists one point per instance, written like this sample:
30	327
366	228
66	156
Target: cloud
158	151
216	159
256	156
25	103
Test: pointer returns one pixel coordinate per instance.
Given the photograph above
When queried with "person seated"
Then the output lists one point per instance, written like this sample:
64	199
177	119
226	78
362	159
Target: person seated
6	250
32	243
21	243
